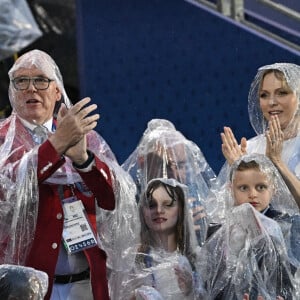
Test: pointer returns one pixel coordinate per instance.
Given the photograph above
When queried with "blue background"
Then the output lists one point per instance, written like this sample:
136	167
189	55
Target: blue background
140	60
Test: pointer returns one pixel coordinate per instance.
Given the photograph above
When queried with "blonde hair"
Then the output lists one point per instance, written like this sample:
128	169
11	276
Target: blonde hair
279	75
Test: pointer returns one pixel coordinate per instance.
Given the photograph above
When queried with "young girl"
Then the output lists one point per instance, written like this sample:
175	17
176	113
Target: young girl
166	256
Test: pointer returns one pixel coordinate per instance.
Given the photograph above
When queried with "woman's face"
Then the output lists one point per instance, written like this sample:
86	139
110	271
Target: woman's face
276	98
161	213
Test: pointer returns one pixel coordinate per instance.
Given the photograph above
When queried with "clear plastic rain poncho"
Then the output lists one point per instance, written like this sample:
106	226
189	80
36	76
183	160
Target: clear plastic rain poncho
164	152
249	251
18	282
18	28
291	145
168	241
19	187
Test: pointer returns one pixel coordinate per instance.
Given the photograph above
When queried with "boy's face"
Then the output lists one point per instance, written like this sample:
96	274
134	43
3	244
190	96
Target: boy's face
252	186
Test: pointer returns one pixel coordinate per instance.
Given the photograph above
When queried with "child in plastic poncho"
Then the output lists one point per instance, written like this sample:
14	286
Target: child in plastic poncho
245	252
165	262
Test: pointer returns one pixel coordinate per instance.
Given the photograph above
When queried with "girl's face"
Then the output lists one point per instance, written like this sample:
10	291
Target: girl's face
276	98
252	186
161	213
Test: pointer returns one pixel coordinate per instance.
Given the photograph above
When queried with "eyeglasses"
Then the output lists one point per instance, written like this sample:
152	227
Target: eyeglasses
22	83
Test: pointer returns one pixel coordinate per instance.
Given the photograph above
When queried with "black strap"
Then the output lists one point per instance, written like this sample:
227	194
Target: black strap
87	162
64	279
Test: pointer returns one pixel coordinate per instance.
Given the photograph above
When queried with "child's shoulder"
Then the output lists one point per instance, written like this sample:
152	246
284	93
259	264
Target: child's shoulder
276	214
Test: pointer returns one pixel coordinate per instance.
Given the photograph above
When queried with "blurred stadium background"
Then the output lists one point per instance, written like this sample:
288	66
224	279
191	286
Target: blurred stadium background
190	61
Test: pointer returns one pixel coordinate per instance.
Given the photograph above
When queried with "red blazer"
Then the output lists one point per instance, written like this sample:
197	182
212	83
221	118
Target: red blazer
48	234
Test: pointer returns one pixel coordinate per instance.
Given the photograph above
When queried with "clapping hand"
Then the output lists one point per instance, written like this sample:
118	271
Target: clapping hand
73	124
274	137
230	148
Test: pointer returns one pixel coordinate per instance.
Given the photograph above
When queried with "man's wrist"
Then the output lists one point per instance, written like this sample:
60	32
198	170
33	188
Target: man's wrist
59	147
85	164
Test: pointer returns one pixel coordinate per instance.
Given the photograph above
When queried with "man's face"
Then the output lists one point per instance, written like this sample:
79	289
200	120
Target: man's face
252	186
33	105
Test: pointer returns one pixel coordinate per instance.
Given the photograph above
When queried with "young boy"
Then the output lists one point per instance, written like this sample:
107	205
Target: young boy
247	253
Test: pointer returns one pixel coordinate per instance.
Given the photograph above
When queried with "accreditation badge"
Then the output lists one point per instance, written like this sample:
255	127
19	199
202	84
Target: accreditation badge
77	233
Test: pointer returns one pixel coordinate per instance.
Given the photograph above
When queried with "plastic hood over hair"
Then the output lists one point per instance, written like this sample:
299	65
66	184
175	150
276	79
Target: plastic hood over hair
18	282
42	61
168	181
292	75
163	152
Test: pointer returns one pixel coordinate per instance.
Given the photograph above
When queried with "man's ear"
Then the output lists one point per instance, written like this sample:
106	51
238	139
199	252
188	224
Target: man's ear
58	94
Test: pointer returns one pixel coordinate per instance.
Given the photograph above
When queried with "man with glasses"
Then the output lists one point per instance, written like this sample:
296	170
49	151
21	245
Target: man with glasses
42	179
22	83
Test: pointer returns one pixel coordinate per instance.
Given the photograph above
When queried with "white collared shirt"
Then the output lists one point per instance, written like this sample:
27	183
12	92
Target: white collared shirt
31	126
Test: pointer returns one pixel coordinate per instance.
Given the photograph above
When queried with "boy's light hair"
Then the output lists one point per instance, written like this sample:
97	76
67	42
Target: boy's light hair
254	165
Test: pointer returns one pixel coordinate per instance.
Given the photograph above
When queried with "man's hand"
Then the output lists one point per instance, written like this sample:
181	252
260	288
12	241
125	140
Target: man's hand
72	125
